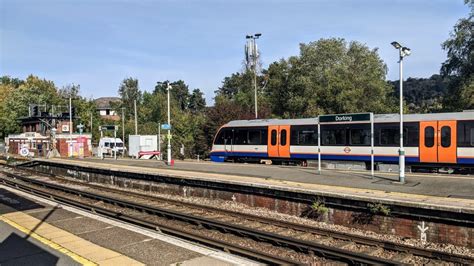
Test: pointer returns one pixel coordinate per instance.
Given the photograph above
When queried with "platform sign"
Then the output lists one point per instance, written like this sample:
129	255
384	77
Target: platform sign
109	127
344	118
166	127
347	118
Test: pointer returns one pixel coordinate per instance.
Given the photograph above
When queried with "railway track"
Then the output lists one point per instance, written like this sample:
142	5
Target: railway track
352	249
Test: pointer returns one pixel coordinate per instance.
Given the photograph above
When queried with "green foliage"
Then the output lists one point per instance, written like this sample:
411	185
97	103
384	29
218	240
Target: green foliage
423	95
129	92
329	76
378	208
18	95
316	209
459	66
319	207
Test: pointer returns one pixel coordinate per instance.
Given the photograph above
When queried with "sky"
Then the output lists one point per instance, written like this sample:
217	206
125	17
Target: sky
98	43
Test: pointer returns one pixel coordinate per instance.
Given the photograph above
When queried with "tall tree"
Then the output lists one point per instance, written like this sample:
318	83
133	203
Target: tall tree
459	65
197	103
329	76
179	92
129	92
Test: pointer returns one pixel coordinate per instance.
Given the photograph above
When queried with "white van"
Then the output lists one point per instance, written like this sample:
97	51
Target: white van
107	146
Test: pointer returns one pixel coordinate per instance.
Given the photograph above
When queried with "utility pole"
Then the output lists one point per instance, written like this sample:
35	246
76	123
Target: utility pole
136	125
70	127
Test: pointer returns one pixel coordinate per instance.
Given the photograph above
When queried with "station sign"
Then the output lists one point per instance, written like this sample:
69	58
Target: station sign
109	127
344	118
166	127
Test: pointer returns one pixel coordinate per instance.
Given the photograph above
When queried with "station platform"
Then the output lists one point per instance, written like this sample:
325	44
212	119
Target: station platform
35	232
434	191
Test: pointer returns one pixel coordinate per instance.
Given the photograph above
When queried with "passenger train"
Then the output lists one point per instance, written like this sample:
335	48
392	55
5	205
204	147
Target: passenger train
433	140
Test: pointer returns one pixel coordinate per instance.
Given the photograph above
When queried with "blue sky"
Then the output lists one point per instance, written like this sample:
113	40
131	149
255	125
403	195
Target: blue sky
98	43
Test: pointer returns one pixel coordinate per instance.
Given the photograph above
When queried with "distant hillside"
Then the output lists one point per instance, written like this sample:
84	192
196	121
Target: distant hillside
423	95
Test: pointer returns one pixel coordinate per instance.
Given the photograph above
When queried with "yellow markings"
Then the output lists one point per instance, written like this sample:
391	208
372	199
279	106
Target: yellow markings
78	249
48	243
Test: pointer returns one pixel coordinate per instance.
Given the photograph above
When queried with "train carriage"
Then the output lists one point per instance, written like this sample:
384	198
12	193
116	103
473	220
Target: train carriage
437	140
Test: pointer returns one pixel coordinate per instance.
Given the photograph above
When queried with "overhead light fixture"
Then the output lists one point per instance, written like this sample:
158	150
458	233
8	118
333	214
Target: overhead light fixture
396	45
406	51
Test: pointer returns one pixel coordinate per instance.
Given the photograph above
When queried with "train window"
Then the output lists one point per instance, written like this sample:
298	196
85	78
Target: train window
336	136
274	137
360	137
465	133
445	136
472	136
264	135
388	134
240	136
220	137
429	137
283	137
304	135
254	137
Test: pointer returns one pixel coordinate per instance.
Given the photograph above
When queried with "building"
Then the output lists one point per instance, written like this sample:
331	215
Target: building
104	106
45	134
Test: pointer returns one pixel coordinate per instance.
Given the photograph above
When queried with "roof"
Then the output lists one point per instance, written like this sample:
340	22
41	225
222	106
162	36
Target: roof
378	118
104	102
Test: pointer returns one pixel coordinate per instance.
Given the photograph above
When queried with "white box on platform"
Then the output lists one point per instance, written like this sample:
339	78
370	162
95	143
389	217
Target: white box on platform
138	143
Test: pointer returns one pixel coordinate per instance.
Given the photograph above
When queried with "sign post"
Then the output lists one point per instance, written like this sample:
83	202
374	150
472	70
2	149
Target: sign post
348	118
319	147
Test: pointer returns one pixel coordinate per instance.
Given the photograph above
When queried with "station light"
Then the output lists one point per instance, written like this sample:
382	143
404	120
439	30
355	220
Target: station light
396	45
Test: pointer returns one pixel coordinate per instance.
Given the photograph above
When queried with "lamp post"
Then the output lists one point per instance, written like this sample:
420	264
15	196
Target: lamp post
403	52
254	56
168	88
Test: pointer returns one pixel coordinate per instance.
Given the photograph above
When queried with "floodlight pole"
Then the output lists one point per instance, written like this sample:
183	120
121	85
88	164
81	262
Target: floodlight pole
255	75
253	39
136	125
402	150
403	51
168	88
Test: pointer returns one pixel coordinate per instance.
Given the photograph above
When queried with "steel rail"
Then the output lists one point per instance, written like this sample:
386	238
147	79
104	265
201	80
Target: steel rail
232	248
387	245
300	245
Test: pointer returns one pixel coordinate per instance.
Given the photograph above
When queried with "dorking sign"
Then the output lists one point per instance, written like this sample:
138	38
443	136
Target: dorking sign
344	118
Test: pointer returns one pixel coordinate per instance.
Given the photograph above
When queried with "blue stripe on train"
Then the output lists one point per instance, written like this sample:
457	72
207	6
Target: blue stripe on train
220	157
466	160
353	158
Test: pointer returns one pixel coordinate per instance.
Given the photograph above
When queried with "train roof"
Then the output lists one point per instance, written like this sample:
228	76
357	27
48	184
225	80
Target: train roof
378	118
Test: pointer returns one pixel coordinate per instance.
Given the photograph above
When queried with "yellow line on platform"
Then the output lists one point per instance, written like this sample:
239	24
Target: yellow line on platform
49	243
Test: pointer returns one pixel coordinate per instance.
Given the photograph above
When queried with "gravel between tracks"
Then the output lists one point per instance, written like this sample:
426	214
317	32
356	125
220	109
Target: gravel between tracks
244	209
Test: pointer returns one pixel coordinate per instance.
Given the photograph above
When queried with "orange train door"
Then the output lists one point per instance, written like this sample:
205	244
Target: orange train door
273	141
438	142
284	148
279	141
428	145
447	142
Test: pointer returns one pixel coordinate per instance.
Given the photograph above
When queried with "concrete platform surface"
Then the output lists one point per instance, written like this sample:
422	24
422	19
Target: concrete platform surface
447	192
33	232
